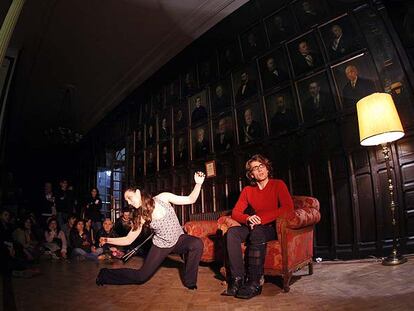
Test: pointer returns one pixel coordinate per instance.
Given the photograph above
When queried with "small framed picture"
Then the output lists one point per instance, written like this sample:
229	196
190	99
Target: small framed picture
210	168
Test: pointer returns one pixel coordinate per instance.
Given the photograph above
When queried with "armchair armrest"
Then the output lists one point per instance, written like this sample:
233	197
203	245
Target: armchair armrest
201	228
304	217
224	223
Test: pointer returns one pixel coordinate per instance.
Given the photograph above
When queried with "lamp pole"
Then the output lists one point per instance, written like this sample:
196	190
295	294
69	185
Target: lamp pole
394	258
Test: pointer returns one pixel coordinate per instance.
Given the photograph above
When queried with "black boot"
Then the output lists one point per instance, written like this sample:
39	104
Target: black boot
233	287
249	290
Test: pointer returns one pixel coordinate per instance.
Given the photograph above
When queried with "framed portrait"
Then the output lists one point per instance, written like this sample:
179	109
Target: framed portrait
280	26
310	12
139	165
164	124
158	99
200	141
210	169
151	131
198	107
151	160
180	117
281	112
250	122
181	148
189	82
221	96
340	6
139	138
253	42
273	69
315	96
172	92
245	83
229	57
223	133
305	54
355	79
208	68
165	155
341	37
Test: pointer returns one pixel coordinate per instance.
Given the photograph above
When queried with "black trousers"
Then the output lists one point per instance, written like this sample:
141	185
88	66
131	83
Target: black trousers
256	249
189	245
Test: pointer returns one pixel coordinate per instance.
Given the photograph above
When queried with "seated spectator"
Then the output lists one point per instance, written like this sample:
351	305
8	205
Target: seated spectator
89	229
55	240
93	209
81	243
107	231
27	244
67	227
123	223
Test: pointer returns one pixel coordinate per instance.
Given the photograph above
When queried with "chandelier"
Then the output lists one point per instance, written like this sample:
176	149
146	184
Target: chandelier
62	133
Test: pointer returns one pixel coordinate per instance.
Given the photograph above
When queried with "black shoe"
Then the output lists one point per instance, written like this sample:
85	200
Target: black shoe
233	287
249	290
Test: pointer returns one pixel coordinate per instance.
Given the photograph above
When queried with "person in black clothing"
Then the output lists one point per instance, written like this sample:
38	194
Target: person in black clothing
318	105
107	231
340	44
273	74
123	223
81	242
283	119
201	146
356	88
224	137
164	158
46	204
306	58
181	154
247	87
64	201
251	129
93	209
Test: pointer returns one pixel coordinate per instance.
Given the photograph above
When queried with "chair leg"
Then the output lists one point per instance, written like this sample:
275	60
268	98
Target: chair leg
310	267
286	281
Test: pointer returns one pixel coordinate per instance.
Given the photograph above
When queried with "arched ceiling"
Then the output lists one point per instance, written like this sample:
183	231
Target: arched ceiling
104	48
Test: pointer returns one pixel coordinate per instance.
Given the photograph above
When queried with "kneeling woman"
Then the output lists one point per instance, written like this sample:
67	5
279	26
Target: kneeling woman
157	213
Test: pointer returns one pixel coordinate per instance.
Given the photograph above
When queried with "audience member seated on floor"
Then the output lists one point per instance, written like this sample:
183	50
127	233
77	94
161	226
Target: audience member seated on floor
81	244
93	209
26	244
55	240
107	231
123	224
46	207
67	227
89	230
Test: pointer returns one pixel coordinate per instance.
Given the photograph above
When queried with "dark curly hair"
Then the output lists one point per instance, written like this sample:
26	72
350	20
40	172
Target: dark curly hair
261	159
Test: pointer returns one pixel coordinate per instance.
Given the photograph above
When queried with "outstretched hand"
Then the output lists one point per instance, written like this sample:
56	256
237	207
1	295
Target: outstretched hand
199	177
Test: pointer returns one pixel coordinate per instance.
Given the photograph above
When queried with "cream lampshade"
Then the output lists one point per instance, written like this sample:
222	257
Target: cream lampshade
378	120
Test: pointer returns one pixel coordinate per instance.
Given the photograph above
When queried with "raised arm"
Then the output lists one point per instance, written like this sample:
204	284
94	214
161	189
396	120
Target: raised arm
185	199
122	241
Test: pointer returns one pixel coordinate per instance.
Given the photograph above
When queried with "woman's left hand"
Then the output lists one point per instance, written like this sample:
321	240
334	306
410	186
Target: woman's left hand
199	177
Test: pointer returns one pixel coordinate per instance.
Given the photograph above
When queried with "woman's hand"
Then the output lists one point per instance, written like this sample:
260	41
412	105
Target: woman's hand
199	177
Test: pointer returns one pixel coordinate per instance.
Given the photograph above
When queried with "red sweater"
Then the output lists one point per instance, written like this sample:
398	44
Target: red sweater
271	202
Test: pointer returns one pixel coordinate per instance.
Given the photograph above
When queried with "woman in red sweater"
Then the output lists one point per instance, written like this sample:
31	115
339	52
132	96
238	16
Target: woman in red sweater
268	199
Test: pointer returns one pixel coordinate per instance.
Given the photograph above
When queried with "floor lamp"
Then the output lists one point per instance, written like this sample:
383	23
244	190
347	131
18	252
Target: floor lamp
379	124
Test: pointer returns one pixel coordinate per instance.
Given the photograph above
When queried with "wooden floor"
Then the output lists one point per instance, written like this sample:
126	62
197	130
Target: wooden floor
334	286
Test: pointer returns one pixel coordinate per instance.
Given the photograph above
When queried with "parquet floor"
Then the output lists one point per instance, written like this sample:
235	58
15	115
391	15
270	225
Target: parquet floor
334	286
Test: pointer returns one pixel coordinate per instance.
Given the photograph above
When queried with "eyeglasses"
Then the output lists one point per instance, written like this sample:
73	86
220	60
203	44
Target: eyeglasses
257	167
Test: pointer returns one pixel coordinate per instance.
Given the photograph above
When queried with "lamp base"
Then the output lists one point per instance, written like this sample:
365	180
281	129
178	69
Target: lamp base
394	259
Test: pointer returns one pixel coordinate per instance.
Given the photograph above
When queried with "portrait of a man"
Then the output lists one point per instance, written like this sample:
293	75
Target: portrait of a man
280	26
253	42
341	38
229	56
198	107
189	83
310	12
207	69
151	132
273	69
224	138
220	96
180	118
164	127
139	165
356	88
305	54
281	112
250	125
200	142
316	98
139	139
181	150
173	92
246	85
151	161
165	157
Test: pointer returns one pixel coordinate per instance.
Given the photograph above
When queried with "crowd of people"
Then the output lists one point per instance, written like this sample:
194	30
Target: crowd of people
59	227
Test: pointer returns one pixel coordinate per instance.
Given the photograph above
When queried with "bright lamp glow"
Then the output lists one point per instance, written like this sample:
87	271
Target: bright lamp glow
378	120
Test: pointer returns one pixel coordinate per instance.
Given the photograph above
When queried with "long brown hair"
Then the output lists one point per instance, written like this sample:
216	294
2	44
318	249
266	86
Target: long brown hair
261	159
144	211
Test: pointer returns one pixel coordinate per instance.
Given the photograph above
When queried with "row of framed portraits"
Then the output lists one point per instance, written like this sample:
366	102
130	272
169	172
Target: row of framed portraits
308	100
303	55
